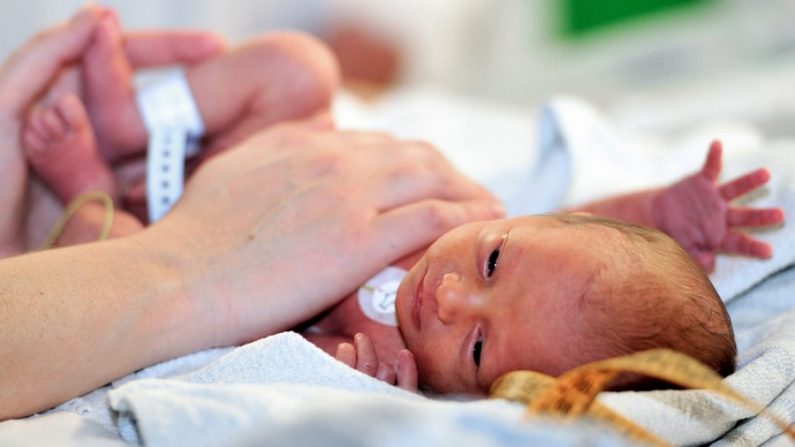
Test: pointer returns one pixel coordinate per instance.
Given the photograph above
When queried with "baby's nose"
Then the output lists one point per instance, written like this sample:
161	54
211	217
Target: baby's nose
453	298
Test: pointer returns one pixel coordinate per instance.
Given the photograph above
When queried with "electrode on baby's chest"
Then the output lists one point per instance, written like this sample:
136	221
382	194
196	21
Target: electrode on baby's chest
377	295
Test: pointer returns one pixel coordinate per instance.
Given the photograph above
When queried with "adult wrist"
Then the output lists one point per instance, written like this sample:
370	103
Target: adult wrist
193	318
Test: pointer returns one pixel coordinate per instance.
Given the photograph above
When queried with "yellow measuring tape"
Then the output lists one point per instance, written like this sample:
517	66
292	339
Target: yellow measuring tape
573	394
73	207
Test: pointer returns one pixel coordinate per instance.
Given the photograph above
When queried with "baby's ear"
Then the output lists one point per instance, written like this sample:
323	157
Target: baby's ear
581	213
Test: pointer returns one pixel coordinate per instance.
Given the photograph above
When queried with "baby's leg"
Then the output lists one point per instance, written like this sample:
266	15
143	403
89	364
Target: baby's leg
109	94
277	77
61	147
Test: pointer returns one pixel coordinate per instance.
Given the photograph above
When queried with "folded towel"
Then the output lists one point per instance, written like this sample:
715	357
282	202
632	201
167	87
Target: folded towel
269	389
269	385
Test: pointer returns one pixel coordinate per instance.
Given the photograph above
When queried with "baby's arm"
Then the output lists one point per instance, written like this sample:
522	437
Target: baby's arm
696	213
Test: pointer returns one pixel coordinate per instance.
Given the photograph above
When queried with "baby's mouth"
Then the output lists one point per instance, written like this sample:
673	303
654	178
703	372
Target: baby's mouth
418	297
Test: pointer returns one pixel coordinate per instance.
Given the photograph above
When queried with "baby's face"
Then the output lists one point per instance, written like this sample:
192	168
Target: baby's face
496	296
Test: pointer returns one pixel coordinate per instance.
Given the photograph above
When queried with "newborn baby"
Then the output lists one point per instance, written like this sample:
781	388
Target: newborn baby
544	293
550	293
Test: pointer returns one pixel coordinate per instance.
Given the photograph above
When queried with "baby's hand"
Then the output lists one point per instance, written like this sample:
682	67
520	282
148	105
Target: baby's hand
361	356
696	213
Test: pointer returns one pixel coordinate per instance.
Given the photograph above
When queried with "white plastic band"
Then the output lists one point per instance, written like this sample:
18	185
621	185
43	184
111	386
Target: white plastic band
175	126
165	170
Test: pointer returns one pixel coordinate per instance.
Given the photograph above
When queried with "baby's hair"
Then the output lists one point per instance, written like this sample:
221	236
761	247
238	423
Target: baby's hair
667	302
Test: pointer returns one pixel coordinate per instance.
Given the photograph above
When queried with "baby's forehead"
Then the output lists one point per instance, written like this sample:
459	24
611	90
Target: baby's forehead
586	230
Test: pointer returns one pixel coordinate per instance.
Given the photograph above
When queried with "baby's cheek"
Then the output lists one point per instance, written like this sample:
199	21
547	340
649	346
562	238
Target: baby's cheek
430	372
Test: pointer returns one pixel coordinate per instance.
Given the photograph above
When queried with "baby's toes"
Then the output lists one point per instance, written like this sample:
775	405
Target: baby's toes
36	124
34	143
73	113
56	126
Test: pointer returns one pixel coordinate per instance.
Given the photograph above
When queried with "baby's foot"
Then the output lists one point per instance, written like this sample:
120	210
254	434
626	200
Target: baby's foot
61	147
110	98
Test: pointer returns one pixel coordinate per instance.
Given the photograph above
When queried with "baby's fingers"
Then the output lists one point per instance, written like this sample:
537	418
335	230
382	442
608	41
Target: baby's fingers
743	244
366	359
406	371
741	185
385	373
712	165
346	354
751	217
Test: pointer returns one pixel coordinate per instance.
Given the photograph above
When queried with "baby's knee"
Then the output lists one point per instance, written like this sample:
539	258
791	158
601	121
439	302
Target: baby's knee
295	66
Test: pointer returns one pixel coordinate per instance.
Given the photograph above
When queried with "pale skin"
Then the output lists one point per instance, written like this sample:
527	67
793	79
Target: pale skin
208	275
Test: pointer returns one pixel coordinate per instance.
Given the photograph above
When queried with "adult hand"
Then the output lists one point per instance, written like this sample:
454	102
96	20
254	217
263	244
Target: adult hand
266	235
696	212
296	217
41	66
22	77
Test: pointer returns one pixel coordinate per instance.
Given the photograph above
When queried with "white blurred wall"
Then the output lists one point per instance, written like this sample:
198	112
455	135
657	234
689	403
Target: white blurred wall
506	49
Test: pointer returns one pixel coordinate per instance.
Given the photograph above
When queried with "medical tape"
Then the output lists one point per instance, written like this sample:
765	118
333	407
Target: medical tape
175	126
573	394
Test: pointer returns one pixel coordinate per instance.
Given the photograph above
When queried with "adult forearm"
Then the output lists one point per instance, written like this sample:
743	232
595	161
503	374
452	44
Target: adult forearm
76	318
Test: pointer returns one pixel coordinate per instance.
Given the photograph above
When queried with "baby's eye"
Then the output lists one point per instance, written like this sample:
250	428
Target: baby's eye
491	264
476	349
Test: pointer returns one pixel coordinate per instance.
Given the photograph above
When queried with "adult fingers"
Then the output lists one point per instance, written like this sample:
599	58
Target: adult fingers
743	244
320	121
407	377
754	217
744	184
712	165
366	359
418	224
29	70
285	134
346	354
161	47
419	172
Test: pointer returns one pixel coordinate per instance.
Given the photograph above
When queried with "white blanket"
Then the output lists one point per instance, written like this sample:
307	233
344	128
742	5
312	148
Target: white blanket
284	391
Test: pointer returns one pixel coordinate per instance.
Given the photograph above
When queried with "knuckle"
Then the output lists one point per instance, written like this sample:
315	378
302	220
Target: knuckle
429	154
437	216
424	147
367	366
326	163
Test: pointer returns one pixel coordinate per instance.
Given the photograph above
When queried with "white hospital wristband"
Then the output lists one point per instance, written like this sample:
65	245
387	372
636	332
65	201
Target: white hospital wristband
174	124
